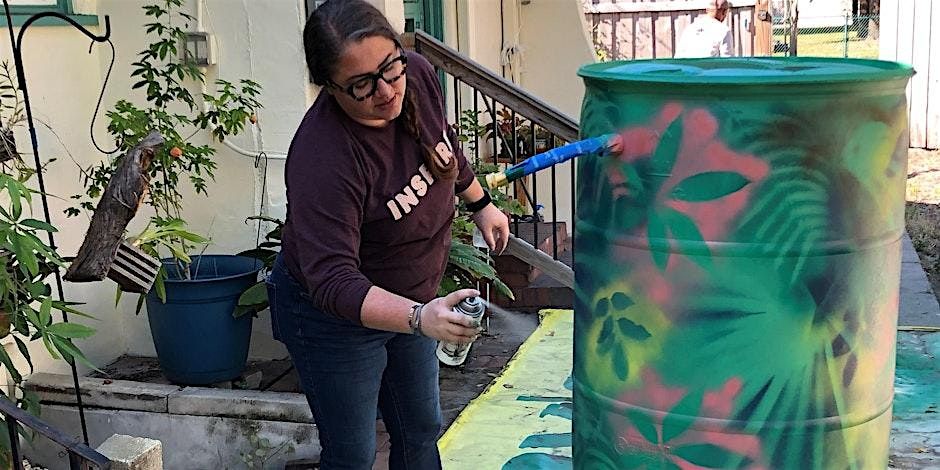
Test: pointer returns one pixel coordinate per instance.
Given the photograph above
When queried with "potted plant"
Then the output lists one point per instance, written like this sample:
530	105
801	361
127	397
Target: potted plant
190	308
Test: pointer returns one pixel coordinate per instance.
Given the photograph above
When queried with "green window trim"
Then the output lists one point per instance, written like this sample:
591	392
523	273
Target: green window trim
21	13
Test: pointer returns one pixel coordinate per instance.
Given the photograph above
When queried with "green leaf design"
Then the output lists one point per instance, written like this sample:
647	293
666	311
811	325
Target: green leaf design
682	226
680	417
664	157
607	332
621	301
656	230
634	181
562	410
670	465
621	367
644	426
632	330
708	186
706	455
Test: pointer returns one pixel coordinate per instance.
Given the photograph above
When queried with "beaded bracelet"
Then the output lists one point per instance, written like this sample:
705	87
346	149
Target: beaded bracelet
414	319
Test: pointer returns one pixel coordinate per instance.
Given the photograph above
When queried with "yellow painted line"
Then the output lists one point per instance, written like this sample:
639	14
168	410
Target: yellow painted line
489	431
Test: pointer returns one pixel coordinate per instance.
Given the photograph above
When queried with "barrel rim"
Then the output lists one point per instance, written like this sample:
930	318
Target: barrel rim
882	70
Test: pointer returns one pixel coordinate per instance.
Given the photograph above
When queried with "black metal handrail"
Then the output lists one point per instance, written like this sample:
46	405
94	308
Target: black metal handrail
503	101
81	456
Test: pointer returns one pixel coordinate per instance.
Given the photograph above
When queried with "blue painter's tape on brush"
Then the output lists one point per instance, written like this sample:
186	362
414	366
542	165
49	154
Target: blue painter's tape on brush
552	157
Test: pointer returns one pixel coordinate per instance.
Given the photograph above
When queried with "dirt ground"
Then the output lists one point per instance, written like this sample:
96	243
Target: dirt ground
923	210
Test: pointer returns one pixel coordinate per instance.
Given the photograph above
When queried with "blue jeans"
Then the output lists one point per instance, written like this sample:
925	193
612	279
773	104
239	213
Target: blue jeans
347	371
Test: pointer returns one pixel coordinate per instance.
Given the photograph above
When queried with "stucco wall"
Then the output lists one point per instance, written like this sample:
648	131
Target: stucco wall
555	44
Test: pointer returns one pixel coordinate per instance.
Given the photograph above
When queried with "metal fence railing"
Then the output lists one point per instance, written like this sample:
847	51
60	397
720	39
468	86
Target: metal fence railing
19	422
828	36
501	125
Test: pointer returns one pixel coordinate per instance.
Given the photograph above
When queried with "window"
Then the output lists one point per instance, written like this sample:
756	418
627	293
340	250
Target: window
29	7
23	9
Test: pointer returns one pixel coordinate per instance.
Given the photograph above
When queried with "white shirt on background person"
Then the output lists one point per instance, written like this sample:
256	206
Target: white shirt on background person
705	37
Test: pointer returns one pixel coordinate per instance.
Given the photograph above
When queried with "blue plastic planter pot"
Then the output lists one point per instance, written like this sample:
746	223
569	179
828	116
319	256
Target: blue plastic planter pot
197	340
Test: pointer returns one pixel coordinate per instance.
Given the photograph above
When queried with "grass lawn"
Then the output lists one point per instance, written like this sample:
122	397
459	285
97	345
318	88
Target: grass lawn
831	43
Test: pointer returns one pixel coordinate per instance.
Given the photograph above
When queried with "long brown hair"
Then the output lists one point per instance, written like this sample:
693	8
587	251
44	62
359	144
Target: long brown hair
337	23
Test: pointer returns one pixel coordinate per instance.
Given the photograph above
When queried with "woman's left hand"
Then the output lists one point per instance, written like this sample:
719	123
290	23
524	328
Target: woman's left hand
495	227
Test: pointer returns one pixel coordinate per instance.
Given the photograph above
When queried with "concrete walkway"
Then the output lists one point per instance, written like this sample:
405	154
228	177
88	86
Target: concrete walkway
918	302
915	430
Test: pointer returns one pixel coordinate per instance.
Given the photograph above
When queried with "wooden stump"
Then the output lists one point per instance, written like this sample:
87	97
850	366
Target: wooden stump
123	195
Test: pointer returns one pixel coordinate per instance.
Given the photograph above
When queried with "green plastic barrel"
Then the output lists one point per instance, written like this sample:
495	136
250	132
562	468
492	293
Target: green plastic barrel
737	264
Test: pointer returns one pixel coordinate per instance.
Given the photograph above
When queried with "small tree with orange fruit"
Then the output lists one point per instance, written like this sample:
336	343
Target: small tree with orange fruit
164	73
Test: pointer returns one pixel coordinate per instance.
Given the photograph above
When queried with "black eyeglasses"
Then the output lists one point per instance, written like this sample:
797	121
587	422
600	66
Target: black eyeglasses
367	85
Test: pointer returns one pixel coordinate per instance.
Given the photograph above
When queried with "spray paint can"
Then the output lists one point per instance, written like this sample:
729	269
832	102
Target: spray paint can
455	354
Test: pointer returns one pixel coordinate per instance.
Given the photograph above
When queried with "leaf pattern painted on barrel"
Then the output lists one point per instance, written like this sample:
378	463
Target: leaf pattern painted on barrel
756	242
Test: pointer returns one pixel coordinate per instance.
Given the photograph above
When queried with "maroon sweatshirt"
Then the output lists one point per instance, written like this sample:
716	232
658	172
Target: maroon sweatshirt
362	207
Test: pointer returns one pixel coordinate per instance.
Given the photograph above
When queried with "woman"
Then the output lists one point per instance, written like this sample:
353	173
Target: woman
371	177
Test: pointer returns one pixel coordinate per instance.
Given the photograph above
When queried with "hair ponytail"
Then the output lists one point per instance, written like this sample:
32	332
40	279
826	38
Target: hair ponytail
412	122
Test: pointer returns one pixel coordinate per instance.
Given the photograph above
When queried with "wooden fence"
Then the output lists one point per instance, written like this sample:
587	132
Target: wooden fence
910	33
649	29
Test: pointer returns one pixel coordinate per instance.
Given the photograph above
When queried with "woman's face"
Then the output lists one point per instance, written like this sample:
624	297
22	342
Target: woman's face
359	70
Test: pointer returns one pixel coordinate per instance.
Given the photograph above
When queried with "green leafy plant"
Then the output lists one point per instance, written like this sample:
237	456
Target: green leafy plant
172	235
467	265
255	298
262	449
471	132
26	262
12	113
172	110
26	301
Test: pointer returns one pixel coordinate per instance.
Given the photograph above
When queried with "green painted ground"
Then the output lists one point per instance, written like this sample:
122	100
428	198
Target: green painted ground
915	431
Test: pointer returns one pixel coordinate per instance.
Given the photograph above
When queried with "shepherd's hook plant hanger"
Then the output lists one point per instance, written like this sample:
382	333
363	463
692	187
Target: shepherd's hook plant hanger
17	44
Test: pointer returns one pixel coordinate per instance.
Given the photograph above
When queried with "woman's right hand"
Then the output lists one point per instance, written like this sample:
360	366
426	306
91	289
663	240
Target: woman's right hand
441	322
